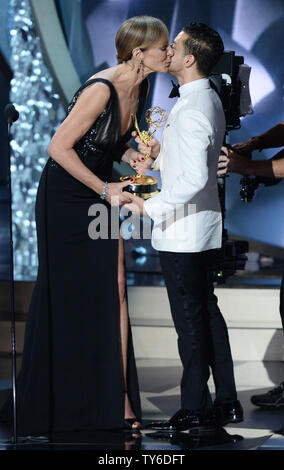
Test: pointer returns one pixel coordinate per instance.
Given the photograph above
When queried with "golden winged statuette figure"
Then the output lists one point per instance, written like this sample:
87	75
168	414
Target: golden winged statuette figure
147	186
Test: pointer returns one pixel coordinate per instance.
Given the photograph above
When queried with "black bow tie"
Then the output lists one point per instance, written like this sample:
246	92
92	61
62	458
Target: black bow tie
175	90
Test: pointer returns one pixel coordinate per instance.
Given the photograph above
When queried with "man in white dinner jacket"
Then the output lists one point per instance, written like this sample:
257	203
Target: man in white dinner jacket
188	228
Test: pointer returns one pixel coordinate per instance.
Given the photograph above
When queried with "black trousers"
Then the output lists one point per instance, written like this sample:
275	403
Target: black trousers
202	332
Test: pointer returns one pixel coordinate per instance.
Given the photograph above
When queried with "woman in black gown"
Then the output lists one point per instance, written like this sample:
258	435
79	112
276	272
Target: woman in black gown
78	369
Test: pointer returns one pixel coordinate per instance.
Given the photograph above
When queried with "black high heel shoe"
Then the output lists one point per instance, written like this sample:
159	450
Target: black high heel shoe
128	422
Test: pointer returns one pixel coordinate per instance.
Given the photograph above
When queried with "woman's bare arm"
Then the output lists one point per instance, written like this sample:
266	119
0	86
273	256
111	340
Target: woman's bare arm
88	107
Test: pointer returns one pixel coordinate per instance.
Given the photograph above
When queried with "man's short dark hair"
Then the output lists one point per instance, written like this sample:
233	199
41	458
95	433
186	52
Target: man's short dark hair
205	44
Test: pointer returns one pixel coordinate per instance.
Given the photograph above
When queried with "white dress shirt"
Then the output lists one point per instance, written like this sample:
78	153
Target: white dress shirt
186	213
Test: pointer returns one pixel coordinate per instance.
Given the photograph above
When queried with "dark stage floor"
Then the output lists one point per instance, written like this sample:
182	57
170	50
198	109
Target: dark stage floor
159	388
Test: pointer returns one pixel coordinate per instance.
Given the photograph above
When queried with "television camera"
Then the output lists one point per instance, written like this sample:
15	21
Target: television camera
230	79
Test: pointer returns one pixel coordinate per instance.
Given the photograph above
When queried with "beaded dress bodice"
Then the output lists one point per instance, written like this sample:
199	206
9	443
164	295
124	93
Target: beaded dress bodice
104	140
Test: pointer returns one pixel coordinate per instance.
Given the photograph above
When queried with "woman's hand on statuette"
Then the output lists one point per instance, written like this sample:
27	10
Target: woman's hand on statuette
139	163
115	194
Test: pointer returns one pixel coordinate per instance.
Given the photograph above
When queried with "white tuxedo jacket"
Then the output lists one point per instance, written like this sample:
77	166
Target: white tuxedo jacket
186	213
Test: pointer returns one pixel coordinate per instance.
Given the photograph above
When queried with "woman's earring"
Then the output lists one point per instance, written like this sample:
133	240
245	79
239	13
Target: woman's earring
140	66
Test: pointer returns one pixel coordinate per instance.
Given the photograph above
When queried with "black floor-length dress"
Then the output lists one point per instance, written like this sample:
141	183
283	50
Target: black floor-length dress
71	376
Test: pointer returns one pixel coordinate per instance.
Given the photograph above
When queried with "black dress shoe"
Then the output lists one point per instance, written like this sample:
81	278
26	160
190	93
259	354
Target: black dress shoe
185	420
272	399
228	413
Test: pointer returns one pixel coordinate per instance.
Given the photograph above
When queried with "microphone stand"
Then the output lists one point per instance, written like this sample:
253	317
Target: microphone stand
12	115
12	291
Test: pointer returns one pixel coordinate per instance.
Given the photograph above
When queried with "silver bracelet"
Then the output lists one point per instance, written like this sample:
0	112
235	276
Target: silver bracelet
104	193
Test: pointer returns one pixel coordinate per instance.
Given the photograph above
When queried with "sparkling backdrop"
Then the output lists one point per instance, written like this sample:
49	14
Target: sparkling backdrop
34	96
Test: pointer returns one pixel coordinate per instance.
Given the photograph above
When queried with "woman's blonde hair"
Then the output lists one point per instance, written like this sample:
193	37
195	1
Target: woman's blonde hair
141	32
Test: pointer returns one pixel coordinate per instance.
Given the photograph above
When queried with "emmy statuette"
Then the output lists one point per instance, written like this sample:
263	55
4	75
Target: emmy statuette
146	186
